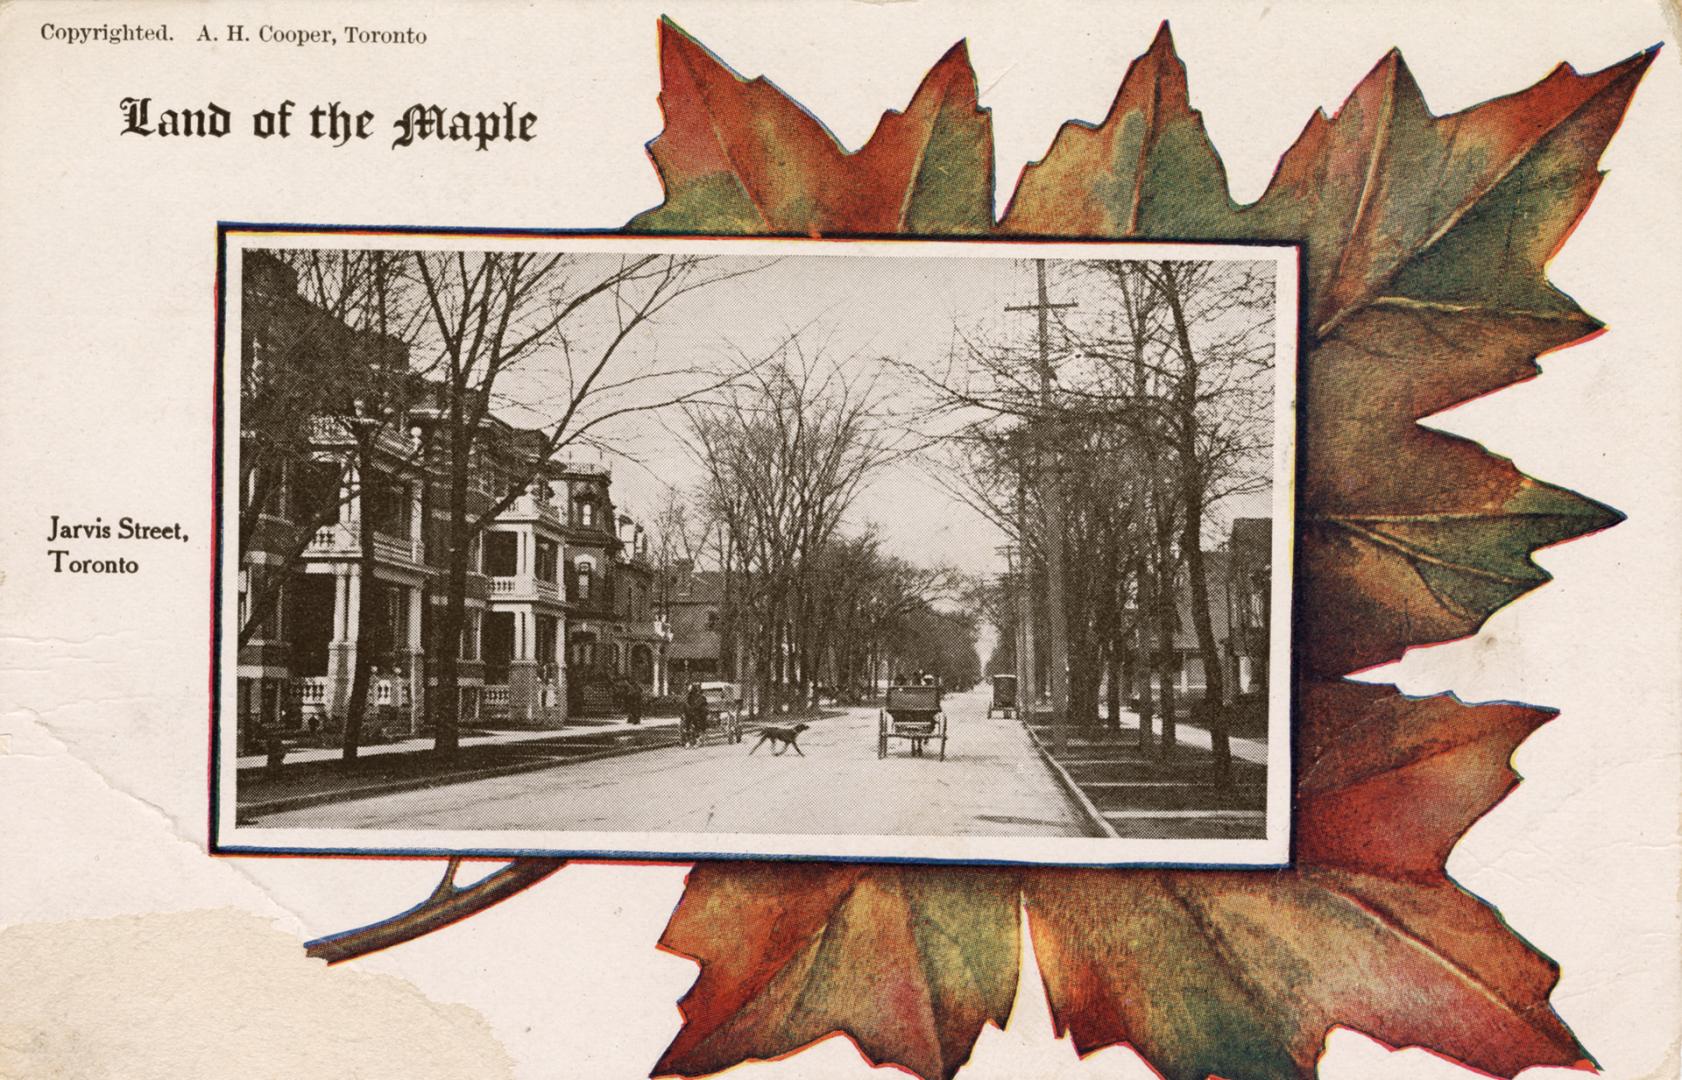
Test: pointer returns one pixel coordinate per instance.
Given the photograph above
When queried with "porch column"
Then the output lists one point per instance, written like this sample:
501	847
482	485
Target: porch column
350	500
340	594
416	522
559	713
416	660
353	603
341	657
525	695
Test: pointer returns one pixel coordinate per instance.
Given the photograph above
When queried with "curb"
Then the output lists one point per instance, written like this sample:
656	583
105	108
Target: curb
246	813
1086	806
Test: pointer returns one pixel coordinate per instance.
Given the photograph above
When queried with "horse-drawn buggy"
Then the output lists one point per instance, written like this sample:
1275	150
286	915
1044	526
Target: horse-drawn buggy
711	709
912	713
1004	697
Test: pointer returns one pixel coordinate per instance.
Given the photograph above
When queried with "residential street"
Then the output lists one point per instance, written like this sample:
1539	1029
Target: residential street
992	783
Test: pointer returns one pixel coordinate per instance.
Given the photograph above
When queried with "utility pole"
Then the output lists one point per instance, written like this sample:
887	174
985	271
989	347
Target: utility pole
1016	585
1027	669
1051	502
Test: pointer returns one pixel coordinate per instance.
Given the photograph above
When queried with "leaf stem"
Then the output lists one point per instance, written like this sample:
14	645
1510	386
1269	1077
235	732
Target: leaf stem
448	904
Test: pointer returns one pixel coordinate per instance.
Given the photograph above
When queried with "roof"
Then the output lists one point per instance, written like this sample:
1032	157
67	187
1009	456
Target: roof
1215	578
1253	537
697	587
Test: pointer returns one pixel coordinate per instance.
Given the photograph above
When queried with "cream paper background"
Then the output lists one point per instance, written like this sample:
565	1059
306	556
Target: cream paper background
127	952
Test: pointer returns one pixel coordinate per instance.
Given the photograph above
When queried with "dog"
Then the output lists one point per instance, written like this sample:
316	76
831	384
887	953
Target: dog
781	739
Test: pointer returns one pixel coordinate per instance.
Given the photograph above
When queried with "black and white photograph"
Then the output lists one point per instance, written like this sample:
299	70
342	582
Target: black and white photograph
643	547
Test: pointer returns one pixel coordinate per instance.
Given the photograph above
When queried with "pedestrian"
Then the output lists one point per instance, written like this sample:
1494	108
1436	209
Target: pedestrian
633	702
694	714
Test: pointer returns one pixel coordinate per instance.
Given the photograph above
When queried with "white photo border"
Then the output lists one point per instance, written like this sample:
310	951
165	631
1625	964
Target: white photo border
229	837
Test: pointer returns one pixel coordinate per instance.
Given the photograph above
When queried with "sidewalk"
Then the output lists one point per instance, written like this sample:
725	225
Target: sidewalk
1187	734
1251	750
1133	791
423	743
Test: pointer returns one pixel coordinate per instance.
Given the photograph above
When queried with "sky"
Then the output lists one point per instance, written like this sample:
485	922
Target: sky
858	310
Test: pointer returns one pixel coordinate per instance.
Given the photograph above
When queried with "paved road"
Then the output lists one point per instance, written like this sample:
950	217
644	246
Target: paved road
992	783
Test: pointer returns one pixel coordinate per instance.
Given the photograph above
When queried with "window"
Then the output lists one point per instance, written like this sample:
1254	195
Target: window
1255	600
480	470
396	619
586	513
548	556
496	644
313	492
470	636
387	504
253	483
501	553
581	580
258	350
251	581
548	634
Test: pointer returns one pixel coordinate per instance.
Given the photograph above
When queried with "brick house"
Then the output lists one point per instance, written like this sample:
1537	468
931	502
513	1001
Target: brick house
556	580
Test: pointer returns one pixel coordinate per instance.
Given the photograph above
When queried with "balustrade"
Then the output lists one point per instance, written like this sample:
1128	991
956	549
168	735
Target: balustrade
341	539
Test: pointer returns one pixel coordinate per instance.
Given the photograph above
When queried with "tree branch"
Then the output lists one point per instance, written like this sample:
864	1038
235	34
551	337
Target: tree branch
449	903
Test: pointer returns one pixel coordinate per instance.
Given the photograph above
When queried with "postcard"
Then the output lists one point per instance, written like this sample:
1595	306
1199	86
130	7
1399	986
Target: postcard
805	540
843	441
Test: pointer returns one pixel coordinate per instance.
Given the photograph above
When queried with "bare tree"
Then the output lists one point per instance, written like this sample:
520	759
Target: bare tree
785	452
316	347
1158	412
327	380
386	398
1200	347
676	531
491	311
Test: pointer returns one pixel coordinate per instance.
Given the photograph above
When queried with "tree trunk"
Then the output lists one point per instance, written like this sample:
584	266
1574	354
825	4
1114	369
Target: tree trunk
356	709
1110	597
1165	659
1214	694
447	730
805	639
1192	498
1146	657
759	657
1147	696
774	658
728	668
1085	650
1167	602
1084	669
1112	684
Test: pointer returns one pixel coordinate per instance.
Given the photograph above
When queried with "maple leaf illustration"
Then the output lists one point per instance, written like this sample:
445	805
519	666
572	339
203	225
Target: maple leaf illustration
739	157
1230	973
1425	244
